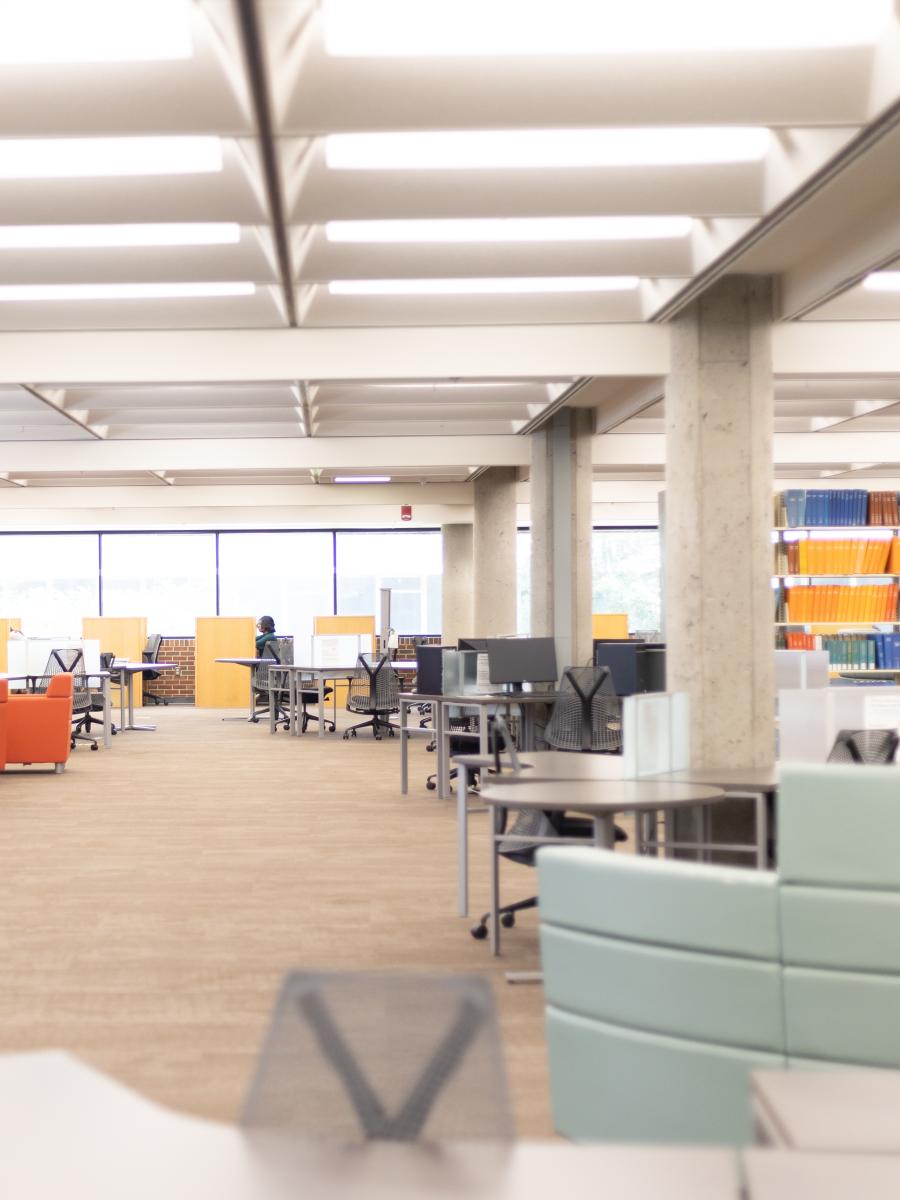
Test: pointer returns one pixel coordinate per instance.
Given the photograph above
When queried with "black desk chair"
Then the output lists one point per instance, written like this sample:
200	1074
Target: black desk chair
70	661
374	689
307	696
151	655
864	746
279	651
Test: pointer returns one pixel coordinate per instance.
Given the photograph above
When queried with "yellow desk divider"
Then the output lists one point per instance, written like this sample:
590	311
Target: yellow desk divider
125	637
7	623
344	624
223	685
609	625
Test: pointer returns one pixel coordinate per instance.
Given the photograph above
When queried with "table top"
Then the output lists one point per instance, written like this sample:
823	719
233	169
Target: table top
70	1130
599	795
847	1109
547	765
793	1175
249	662
326	672
730	779
135	667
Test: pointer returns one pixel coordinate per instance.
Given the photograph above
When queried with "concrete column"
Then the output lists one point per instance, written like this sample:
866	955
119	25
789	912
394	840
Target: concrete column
561	597
457	607
718	552
494	553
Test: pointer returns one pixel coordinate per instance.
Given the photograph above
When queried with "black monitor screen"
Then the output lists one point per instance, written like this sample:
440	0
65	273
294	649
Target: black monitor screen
521	660
635	666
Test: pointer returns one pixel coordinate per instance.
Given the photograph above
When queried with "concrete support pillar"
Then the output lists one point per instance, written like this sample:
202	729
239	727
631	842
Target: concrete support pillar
494	553
457	607
718	552
561	535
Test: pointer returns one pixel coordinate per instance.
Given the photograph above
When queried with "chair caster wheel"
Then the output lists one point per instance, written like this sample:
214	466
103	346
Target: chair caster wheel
508	920
286	725
165	704
391	733
431	785
254	720
377	737
479	932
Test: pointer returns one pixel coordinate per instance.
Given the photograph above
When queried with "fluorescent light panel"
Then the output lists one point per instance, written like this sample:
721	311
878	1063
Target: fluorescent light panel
63	237
557	148
882	281
94	31
511	229
483	287
467	28
361	479
121	291
85	158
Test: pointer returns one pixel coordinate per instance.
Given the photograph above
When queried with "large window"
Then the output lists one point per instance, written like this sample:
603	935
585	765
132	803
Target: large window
625	570
288	576
409	563
169	578
50	580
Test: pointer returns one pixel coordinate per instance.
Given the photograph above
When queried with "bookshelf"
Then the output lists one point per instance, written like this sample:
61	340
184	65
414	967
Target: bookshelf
836	577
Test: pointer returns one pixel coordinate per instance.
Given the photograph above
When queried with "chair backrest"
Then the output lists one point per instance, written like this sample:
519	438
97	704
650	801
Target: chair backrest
151	647
839	876
586	714
362	1056
69	660
864	746
374	685
663	990
271	650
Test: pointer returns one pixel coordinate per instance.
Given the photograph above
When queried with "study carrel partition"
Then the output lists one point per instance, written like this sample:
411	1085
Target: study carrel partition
7	623
343	624
125	637
223	685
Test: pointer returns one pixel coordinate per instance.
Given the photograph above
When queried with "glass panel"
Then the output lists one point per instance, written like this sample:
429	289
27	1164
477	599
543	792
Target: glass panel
625	570
288	576
169	578
50	580
409	563
523	579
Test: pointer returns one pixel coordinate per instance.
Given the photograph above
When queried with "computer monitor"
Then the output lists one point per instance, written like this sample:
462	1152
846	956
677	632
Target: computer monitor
635	666
479	645
521	660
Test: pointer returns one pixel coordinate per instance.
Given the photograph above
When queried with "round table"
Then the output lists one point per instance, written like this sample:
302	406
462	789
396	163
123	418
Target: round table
598	799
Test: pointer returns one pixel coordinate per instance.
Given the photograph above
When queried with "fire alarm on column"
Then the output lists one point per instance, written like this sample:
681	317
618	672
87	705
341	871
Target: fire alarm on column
405	512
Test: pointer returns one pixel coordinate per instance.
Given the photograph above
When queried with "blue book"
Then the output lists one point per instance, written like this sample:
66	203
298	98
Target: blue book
894	652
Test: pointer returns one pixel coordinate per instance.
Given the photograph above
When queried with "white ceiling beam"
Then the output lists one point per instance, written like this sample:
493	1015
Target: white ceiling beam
836	348
229	496
629	401
233	454
55	399
649	449
261	355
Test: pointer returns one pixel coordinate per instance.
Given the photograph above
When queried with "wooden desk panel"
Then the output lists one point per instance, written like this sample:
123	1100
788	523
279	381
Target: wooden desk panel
125	637
222	685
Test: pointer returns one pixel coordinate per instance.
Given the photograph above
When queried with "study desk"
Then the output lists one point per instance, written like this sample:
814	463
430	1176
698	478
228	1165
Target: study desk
848	1110
295	673
598	799
537	765
126	672
72	1133
758	783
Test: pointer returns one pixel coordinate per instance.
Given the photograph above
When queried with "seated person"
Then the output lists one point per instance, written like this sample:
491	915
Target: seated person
266	633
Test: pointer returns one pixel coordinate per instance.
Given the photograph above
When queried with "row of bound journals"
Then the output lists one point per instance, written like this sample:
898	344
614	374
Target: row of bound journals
833	602
857	651
843	556
798	507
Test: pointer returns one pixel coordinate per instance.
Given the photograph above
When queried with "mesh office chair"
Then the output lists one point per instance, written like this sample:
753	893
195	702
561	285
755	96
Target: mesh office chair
374	689
151	655
70	661
107	658
864	746
307	696
587	715
279	651
363	1056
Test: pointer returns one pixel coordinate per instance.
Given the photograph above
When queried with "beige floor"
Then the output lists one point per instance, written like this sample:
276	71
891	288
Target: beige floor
152	897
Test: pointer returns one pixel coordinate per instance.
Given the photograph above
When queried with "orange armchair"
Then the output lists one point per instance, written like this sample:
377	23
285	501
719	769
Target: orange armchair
38	729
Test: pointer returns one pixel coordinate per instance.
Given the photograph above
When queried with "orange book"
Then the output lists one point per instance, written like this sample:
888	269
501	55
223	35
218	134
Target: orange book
834	599
894	556
859	555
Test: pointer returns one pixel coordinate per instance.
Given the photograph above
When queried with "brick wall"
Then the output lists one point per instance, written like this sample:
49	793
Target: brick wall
179	684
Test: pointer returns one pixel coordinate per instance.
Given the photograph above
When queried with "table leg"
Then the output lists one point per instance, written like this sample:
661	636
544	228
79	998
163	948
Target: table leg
762	831
320	683
494	918
121	700
462	840
273	695
443	774
604	830
404	748
107	713
131	725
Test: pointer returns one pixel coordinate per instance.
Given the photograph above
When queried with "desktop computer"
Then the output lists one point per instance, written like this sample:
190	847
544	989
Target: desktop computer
635	666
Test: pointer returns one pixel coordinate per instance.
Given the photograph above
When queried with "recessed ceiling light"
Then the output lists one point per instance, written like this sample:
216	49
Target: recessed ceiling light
90	31
511	229
361	479
490	150
72	158
469	28
121	291
484	287
58	237
882	281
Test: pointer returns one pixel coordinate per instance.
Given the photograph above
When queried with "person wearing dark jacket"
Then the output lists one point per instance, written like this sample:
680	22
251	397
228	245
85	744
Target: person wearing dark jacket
265	627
